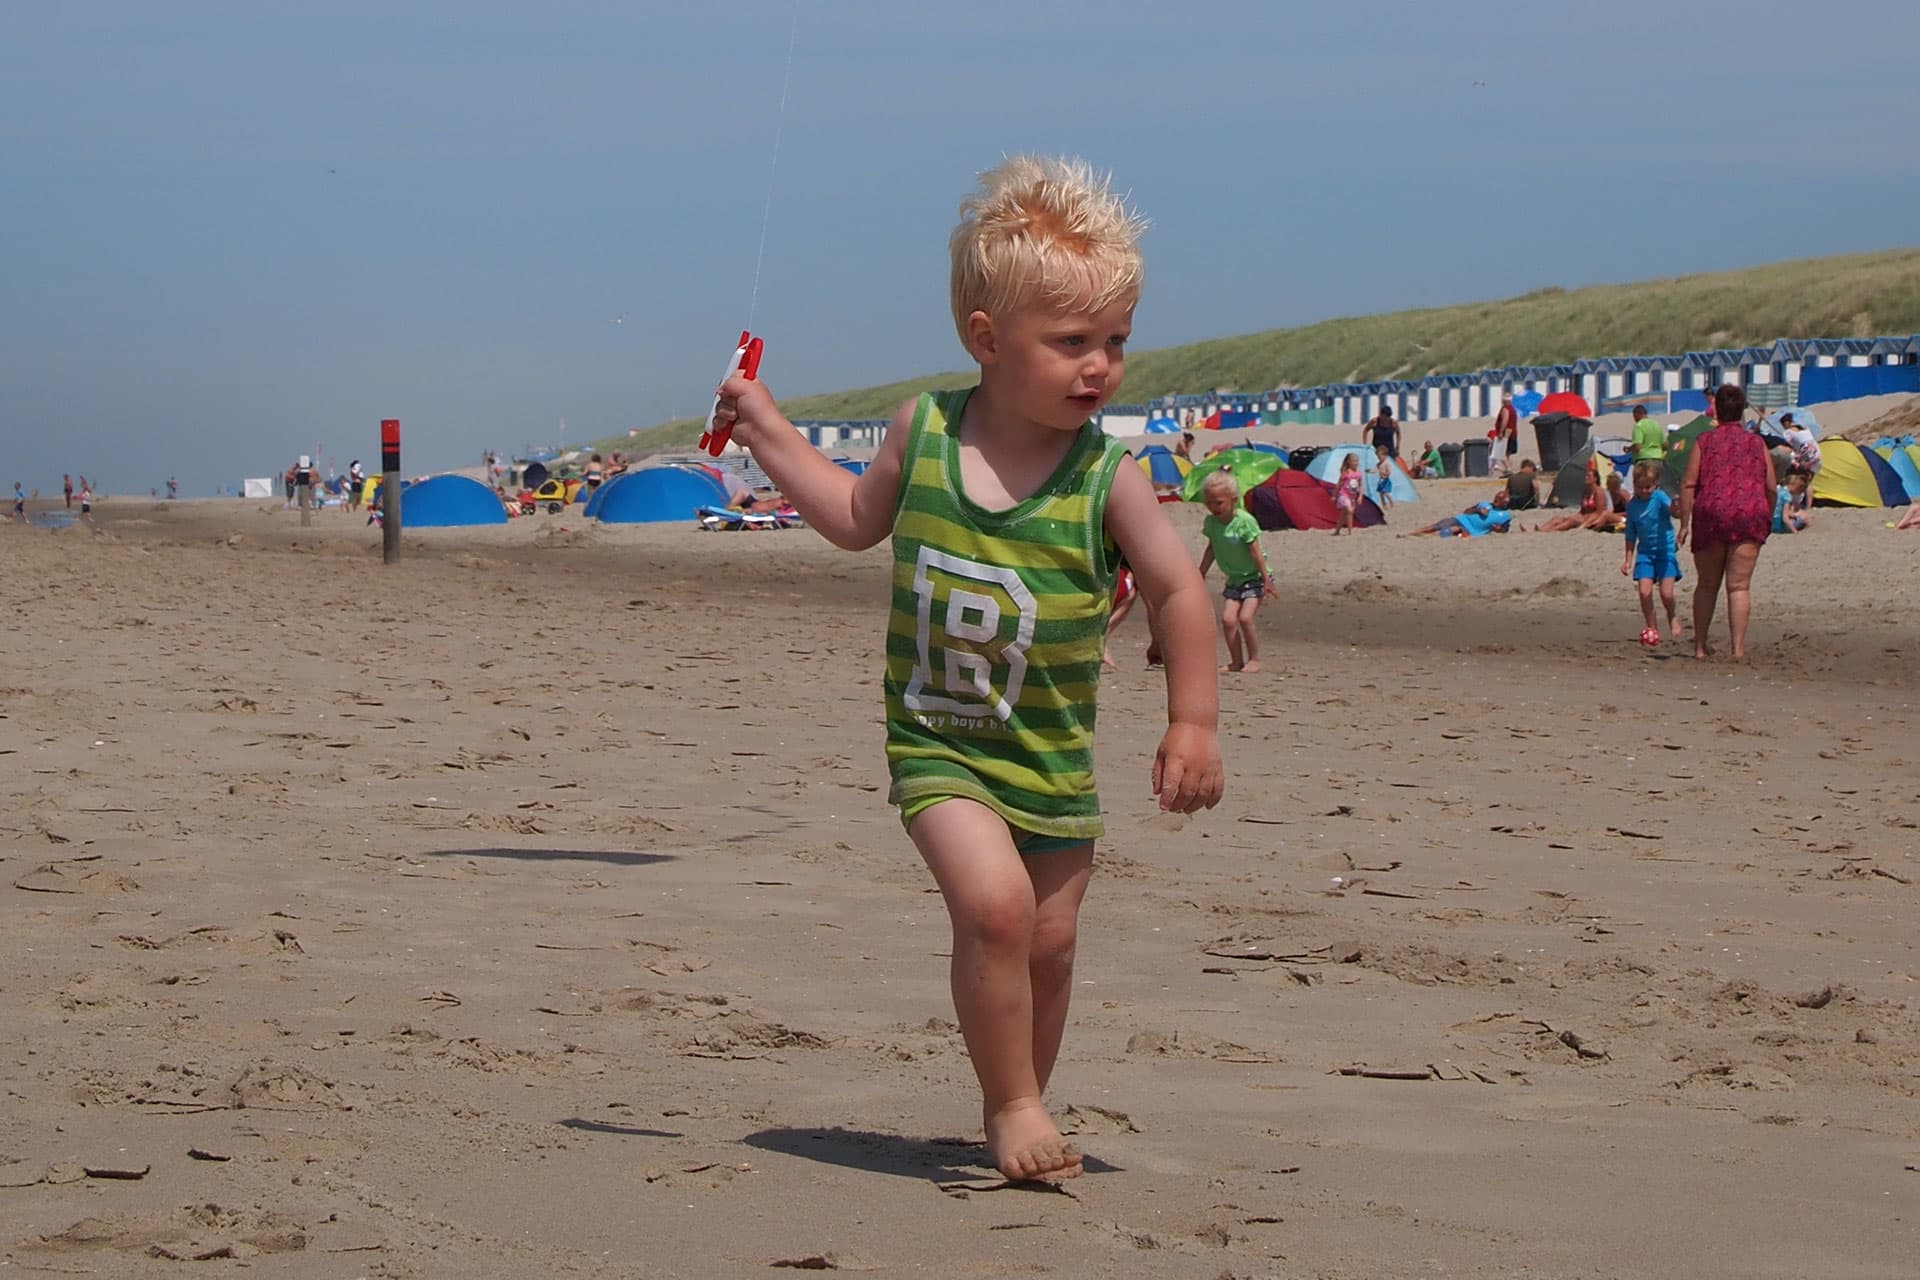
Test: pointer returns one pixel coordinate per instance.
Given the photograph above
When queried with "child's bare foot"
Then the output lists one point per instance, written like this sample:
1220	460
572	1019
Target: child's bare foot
1231	669
1108	664
1025	1143
1251	667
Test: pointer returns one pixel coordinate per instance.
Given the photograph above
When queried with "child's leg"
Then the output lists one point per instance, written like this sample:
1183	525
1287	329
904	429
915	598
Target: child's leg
1249	638
1230	629
993	905
1666	600
1645	587
1059	884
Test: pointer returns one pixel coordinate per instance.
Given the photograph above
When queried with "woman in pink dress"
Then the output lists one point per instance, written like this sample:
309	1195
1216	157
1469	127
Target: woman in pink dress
1726	504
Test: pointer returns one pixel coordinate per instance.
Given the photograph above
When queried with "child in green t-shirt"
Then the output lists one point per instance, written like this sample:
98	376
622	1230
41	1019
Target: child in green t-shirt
1233	541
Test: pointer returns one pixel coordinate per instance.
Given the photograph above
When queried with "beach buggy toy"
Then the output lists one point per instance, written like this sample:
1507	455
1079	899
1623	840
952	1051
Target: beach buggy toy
553	493
746	363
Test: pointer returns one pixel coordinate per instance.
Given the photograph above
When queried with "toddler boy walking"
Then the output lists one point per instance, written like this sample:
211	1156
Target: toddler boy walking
1008	510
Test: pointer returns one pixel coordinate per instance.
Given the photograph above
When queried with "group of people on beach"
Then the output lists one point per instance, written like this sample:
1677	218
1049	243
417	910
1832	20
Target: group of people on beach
84	495
1731	498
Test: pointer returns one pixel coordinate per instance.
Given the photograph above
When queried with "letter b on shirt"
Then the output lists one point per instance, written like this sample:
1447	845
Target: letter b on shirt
973	626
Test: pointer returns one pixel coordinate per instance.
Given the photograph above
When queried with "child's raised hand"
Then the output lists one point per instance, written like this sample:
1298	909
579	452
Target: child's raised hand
747	407
1187	773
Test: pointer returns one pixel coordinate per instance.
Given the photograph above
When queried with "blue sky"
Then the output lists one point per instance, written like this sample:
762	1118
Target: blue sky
238	230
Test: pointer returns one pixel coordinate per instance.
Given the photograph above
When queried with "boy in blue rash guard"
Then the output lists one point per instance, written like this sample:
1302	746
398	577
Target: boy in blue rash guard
1652	556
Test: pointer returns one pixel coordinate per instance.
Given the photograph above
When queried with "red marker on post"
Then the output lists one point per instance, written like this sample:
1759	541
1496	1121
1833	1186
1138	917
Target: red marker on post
746	363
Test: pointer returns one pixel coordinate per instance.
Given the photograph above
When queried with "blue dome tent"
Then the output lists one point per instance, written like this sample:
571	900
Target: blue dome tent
1327	467
657	495
598	496
445	502
1162	427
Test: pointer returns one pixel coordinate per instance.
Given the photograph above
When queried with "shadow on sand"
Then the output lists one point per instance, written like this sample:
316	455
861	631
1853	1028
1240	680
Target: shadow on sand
580	1125
937	1159
612	857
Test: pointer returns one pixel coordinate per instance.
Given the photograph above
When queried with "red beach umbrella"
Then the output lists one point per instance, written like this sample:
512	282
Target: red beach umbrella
1567	402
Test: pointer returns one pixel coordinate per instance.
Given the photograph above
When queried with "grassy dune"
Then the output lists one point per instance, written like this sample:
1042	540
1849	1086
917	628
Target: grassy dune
1855	296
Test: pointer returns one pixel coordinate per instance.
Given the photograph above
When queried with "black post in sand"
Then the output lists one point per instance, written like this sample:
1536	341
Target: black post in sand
390	490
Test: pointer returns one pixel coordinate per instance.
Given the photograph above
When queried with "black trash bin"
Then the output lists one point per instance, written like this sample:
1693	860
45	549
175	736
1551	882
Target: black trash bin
1474	457
1577	429
1450	459
1560	436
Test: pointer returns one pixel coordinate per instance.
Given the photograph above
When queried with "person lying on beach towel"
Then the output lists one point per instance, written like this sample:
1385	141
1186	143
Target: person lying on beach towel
1477	520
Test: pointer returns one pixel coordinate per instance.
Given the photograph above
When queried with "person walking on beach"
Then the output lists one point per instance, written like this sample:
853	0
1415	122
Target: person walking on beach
1003	501
66	485
1506	427
86	503
1233	542
1382	432
1383	472
1726	505
1652	556
19	504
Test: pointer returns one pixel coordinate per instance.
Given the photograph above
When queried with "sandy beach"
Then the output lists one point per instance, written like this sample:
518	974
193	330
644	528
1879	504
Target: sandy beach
532	908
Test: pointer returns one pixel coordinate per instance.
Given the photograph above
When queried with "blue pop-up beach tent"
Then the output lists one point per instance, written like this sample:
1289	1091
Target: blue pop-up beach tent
446	502
656	495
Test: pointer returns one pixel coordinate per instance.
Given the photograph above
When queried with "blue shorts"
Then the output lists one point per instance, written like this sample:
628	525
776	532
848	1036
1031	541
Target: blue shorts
1656	568
1255	590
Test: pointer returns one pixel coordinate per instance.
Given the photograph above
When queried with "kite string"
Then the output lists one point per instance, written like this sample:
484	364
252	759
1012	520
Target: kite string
773	168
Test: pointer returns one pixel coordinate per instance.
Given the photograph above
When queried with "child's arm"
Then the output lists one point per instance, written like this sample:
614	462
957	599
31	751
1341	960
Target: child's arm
1260	562
851	512
1206	561
1626	563
1186	769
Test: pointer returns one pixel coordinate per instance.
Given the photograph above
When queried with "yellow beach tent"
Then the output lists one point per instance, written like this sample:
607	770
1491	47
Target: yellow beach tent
1847	477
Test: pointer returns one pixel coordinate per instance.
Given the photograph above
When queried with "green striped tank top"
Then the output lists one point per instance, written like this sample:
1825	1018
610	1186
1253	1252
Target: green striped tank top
994	641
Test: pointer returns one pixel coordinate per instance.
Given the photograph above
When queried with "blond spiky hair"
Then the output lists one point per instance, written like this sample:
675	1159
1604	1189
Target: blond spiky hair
1043	230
